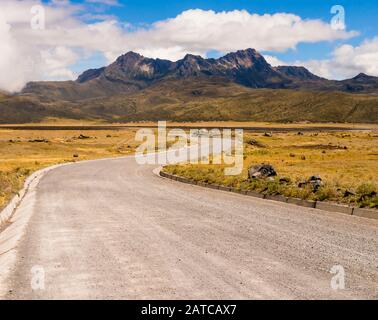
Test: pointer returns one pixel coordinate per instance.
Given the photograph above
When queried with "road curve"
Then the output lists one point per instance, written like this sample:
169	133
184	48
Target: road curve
113	229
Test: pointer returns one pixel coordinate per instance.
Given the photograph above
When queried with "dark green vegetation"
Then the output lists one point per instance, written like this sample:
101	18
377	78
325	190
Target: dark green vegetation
240	86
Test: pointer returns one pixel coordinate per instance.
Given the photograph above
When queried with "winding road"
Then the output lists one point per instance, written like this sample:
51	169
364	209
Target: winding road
113	229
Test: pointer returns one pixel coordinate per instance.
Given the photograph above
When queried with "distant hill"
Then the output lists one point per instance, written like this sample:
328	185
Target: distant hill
241	86
206	99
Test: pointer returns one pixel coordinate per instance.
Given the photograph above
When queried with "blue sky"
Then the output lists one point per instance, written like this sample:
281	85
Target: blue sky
82	34
359	12
359	15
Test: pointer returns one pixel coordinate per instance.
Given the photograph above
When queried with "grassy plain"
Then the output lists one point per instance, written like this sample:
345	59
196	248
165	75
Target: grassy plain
25	151
346	161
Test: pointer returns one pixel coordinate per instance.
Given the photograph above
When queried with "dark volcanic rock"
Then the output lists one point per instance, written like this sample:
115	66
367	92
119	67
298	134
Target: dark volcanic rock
298	73
132	66
314	181
90	74
261	171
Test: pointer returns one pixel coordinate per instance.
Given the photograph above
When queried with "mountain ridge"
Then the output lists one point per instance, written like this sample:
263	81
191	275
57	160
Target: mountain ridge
131	72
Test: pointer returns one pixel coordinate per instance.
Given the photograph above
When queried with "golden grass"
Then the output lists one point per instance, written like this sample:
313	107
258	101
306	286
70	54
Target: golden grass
354	168
19	156
344	160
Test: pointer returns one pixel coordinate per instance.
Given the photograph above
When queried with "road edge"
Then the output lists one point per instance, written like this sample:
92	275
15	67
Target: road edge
319	205
9	210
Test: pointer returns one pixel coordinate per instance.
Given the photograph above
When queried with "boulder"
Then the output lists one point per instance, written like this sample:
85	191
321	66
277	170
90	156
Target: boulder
314	181
254	142
261	171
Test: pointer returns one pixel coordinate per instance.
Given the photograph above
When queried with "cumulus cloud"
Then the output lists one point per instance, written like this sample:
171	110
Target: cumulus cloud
226	31
274	61
28	54
346	61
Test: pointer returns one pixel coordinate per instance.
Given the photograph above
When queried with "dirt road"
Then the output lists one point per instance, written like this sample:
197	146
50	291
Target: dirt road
113	229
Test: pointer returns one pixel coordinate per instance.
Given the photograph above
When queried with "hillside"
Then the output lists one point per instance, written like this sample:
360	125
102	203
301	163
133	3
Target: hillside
205	100
201	99
241	86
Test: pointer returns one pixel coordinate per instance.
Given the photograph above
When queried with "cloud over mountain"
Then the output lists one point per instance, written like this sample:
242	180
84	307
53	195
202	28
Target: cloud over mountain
28	54
346	61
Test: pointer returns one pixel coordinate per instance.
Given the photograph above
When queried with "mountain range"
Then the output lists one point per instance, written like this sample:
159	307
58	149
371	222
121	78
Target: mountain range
138	88
132	72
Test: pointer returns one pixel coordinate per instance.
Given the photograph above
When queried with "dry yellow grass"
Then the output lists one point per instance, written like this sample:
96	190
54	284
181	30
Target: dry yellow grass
20	156
344	160
354	168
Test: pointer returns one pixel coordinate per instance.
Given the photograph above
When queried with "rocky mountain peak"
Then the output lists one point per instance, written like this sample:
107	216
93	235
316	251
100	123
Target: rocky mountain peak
297	72
362	77
129	57
192	57
246	67
248	59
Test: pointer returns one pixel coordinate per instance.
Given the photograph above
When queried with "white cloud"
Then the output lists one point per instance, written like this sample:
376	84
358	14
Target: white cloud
346	61
57	60
28	54
349	60
106	2
274	61
226	31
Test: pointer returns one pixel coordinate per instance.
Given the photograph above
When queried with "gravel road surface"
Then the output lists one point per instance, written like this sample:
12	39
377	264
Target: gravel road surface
113	229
